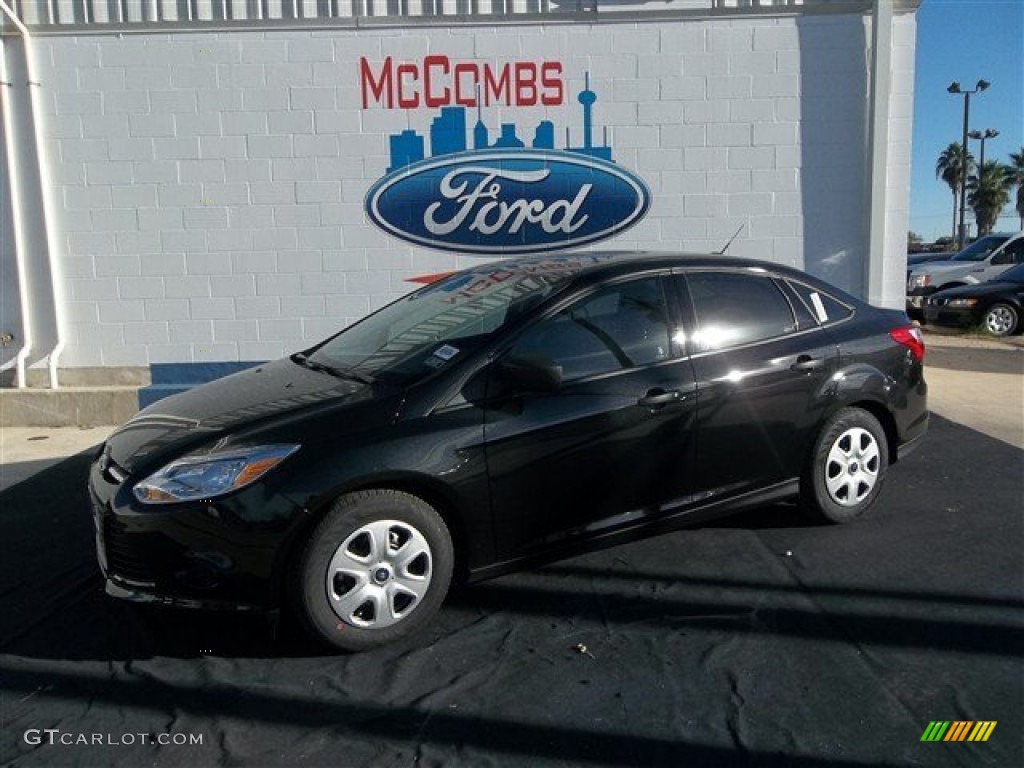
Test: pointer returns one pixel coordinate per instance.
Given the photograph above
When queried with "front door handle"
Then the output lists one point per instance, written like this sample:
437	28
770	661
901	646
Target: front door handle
807	363
658	397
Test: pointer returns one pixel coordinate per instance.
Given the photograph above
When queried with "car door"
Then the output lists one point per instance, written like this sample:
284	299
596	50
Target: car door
1010	254
763	366
614	445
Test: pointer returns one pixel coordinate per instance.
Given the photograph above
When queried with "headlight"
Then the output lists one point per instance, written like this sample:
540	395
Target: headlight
961	302
209	475
919	281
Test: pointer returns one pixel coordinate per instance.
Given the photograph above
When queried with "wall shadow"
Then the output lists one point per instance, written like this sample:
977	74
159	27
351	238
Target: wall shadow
833	124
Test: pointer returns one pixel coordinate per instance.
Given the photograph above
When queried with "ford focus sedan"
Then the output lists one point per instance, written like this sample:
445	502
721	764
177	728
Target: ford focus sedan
509	414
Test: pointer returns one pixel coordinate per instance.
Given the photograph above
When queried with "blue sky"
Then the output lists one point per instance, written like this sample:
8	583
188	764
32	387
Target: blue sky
964	40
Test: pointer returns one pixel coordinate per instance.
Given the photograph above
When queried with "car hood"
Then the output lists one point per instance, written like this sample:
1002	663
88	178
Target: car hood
981	289
915	260
940	267
179	422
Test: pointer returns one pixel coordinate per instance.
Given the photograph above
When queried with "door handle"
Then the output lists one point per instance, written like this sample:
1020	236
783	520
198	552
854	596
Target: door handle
807	363
658	397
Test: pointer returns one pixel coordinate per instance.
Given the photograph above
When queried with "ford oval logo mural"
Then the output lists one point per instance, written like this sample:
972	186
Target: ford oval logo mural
496	202
498	196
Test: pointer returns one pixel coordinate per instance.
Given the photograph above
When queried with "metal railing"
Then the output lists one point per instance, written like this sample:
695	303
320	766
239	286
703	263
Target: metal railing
128	12
146	15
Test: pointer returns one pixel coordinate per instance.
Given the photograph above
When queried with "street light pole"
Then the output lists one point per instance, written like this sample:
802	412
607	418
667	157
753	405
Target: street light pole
955	88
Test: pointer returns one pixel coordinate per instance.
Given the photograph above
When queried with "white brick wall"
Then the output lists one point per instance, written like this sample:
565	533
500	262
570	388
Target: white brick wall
211	184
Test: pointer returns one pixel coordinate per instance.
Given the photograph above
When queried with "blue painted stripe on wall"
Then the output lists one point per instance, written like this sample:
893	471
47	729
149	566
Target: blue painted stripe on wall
171	378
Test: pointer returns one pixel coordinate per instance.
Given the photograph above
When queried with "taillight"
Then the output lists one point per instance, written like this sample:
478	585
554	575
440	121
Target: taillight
909	336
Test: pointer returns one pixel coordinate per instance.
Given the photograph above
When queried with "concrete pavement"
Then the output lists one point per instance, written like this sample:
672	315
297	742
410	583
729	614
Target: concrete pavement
977	381
27	450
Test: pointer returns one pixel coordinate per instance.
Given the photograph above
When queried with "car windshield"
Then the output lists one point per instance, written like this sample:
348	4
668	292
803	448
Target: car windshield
431	328
980	249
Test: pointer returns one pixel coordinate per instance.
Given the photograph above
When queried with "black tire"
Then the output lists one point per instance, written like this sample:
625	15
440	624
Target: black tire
847	467
1001	319
375	569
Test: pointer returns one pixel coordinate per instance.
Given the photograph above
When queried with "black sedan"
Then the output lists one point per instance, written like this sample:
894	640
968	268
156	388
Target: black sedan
512	413
996	304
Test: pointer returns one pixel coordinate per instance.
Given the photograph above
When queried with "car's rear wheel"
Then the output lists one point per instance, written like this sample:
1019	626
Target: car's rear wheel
375	569
1001	319
845	473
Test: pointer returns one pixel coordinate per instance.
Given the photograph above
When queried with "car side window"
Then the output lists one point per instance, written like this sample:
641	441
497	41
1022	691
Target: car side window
824	307
735	308
1011	254
620	326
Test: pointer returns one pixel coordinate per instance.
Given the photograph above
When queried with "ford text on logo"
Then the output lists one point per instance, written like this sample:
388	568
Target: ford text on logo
508	202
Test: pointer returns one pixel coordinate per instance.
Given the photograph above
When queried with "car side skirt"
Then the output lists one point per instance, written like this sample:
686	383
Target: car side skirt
675	516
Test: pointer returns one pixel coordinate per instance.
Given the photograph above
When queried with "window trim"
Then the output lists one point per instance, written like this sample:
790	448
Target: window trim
793	297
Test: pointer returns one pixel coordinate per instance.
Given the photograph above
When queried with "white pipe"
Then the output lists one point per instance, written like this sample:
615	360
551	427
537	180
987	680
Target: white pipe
42	157
14	18
46	193
16	216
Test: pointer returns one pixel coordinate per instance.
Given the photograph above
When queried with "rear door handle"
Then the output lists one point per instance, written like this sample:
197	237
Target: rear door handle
807	363
658	396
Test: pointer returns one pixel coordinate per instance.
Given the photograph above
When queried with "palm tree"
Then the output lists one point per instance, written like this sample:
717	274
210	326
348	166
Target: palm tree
988	193
1016	168
950	167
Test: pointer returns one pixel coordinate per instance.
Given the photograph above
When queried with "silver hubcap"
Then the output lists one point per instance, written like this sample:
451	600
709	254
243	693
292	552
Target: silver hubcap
999	320
851	470
379	574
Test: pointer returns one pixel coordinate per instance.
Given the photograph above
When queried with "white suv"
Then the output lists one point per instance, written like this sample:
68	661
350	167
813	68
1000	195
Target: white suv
983	260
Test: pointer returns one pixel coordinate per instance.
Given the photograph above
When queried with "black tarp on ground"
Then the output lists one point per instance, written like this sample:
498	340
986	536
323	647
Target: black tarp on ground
757	640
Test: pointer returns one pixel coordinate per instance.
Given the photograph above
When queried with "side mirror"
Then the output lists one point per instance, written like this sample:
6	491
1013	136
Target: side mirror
522	373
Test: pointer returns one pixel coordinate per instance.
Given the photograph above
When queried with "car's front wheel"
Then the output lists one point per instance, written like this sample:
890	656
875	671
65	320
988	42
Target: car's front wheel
376	568
844	475
1001	319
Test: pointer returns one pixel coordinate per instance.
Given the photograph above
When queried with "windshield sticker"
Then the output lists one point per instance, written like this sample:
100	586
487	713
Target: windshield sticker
446	353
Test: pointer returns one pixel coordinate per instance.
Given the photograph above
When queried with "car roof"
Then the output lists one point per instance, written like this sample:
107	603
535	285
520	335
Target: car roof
583	267
604	263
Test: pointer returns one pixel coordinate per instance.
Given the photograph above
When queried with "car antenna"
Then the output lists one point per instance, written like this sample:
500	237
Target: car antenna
726	246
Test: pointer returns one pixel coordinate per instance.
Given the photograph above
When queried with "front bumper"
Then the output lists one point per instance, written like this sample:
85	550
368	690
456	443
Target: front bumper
114	589
945	315
918	298
224	553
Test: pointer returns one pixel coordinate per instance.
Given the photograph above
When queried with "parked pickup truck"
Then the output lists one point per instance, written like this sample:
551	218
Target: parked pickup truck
983	260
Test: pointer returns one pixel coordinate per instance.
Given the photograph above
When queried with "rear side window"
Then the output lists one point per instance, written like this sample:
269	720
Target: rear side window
824	307
735	308
1011	254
